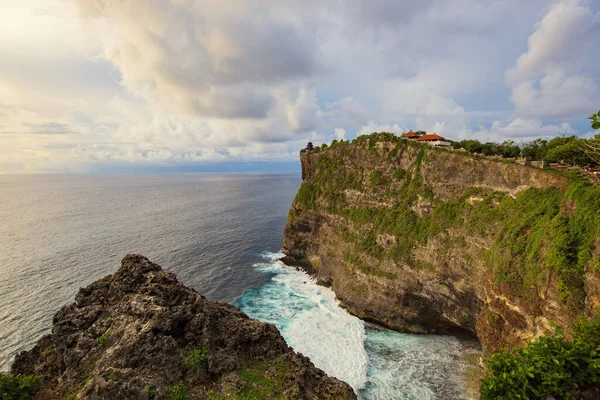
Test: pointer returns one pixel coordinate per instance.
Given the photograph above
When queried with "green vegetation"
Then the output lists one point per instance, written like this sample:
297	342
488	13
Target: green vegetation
177	392
47	351
261	380
506	149
377	178
151	392
571	150
536	149
307	196
550	365
541	232
18	387
595	120
536	233
568	150
103	338
196	360
399	174
376	137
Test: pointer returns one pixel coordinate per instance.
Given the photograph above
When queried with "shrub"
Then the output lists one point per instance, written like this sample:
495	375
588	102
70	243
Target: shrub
377	178
103	338
548	366
534	222
177	392
400	174
18	387
196	360
307	195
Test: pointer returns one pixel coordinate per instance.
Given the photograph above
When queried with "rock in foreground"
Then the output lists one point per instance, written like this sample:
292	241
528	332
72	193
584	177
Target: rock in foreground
140	334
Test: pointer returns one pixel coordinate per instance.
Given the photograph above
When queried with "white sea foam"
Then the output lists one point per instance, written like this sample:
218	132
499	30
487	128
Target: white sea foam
403	366
378	363
310	320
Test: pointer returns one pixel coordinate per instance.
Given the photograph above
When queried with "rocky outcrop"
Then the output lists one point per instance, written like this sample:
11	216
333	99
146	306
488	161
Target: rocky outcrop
140	334
454	274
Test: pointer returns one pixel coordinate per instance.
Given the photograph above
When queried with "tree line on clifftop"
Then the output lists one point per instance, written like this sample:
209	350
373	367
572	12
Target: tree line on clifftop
572	150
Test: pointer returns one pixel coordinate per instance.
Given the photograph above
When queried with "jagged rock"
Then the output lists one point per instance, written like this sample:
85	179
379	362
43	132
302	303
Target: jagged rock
140	334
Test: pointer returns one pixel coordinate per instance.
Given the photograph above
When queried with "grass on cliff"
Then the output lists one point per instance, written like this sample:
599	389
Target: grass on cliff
260	380
196	361
18	387
543	234
104	338
548	366
177	392
547	231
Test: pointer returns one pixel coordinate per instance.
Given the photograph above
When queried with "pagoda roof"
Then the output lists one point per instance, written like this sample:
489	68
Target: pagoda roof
410	134
430	138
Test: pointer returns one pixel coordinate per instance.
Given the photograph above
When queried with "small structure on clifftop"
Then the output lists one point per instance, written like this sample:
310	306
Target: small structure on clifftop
434	140
309	146
410	135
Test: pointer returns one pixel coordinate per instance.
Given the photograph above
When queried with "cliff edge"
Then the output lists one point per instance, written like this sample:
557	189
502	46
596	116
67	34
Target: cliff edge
421	239
140	334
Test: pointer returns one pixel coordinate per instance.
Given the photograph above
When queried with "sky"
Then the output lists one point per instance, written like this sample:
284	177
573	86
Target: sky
230	85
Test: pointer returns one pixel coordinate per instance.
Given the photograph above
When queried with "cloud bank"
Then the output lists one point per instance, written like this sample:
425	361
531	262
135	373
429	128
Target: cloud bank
93	84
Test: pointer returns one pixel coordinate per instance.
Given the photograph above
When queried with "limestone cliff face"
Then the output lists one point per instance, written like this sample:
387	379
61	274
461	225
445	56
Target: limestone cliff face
140	334
413	238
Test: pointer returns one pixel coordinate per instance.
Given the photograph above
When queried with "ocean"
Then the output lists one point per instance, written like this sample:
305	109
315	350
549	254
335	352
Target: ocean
221	235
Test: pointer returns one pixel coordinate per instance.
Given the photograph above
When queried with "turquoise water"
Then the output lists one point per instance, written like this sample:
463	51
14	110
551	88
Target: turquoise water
378	363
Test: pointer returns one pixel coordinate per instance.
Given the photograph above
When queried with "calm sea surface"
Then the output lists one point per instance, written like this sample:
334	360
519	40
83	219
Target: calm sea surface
220	233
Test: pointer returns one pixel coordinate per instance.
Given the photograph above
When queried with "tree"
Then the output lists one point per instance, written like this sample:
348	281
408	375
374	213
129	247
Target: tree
421	133
571	152
535	150
595	120
490	149
591	148
509	149
560	141
472	146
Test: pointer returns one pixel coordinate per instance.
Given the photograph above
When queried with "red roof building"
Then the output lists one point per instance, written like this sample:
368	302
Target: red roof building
430	138
410	135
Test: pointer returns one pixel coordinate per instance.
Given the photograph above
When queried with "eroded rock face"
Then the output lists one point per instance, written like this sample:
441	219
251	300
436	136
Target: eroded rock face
448	284
140	334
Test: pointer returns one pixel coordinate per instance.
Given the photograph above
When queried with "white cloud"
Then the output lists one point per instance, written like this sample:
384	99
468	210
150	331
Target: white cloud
556	95
520	128
339	133
207	58
128	82
374	127
550	80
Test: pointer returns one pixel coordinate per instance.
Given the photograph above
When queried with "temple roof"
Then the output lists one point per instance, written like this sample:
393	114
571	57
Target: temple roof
429	138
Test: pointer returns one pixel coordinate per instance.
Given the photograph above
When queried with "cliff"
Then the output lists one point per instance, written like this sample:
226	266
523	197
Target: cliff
140	334
428	240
